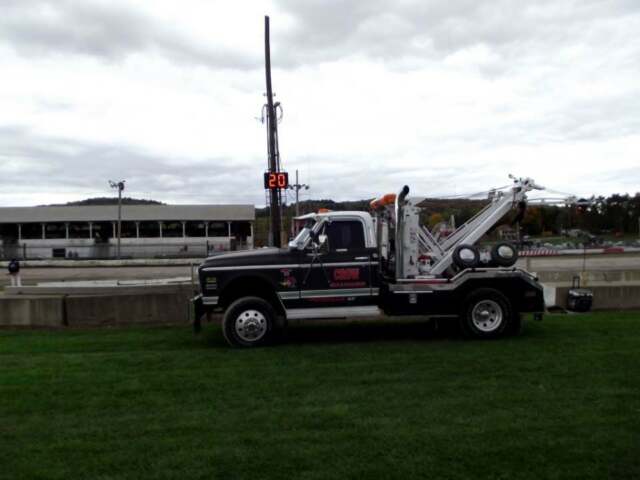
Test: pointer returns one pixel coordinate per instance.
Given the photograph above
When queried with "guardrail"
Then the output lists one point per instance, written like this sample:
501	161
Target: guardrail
546	251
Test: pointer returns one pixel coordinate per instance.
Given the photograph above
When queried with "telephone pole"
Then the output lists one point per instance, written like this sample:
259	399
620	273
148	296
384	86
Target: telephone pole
120	187
297	187
275	225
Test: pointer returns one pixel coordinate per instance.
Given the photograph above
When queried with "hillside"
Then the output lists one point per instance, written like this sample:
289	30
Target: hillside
107	201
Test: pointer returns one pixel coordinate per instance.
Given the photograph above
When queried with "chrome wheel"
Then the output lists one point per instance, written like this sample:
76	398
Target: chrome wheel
487	316
251	325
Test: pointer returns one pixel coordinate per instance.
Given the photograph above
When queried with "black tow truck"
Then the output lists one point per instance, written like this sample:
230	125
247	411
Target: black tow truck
361	264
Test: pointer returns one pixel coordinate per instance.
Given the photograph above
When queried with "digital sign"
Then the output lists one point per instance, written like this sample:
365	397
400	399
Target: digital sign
276	180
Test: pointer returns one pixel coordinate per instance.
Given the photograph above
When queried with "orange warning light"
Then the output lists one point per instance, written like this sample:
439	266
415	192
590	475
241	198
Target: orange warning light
383	201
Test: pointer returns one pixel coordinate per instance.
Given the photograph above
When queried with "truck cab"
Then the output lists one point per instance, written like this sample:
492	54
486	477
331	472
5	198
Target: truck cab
337	264
326	271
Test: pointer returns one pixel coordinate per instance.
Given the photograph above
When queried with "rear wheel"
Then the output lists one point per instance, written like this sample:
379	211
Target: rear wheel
248	322
486	313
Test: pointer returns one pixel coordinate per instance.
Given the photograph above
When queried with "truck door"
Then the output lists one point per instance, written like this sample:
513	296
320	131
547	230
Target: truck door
339	274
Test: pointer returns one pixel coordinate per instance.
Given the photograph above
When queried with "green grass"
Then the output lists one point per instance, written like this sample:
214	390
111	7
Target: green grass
349	402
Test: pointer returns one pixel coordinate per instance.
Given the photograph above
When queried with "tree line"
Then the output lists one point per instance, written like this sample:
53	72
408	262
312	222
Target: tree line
616	214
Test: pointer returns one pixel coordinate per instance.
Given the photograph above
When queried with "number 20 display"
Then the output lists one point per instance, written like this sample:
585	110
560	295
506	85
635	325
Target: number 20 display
276	180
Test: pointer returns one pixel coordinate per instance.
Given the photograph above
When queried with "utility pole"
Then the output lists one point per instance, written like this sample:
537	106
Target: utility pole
120	187
297	187
275	226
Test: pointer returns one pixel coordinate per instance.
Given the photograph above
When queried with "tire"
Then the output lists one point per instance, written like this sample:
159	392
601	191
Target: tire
466	256
504	254
486	313
248	322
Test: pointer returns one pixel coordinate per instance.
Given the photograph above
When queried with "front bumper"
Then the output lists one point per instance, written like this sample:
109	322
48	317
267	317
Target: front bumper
200	306
197	311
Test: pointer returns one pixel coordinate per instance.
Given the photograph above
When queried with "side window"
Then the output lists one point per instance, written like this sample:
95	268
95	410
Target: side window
345	235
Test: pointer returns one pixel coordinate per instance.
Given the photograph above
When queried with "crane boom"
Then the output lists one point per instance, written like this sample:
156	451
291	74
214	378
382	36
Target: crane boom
413	240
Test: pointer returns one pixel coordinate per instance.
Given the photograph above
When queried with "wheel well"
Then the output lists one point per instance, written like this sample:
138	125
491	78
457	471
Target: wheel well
502	287
251	286
518	292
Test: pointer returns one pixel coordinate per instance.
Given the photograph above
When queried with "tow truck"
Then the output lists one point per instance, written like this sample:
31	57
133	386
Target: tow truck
346	264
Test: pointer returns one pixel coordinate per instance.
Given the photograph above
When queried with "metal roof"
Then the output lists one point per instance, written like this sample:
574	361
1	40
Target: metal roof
102	213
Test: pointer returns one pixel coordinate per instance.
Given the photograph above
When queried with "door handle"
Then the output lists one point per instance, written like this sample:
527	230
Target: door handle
361	258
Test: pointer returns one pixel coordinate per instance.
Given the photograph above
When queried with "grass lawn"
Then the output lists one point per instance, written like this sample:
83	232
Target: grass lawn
354	401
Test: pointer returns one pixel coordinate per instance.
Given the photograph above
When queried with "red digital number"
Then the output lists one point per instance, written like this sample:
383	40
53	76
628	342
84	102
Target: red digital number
282	180
276	180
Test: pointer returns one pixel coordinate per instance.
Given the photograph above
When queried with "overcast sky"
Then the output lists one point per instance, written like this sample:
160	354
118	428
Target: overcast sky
446	96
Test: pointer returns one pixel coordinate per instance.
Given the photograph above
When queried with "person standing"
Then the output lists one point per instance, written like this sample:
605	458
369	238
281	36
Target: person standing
14	273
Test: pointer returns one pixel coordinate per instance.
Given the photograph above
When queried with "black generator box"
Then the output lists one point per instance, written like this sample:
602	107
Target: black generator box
579	299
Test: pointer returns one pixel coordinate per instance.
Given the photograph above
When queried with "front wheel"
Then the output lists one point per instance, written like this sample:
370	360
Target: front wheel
486	314
248	322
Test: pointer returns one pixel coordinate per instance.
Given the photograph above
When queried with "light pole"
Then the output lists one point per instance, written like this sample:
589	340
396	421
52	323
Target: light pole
297	187
120	187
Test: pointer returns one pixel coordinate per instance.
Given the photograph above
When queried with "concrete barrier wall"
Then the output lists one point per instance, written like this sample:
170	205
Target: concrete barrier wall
95	310
147	309
32	310
577	263
589	277
619	297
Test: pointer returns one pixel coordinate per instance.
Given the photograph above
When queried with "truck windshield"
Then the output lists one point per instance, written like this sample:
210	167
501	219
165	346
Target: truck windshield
301	239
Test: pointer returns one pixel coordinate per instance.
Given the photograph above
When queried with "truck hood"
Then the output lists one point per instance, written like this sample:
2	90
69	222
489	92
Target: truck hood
260	256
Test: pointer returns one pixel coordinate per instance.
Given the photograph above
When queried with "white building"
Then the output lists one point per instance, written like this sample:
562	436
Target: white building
147	230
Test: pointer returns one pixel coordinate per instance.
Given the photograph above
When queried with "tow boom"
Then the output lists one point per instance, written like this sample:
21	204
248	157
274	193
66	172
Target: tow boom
413	240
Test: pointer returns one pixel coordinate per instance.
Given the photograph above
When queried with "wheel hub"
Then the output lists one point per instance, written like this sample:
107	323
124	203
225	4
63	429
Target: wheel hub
251	325
487	316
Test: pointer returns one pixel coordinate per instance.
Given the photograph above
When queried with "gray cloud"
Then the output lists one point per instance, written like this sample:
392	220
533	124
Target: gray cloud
628	176
547	51
34	163
105	31
401	33
327	30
